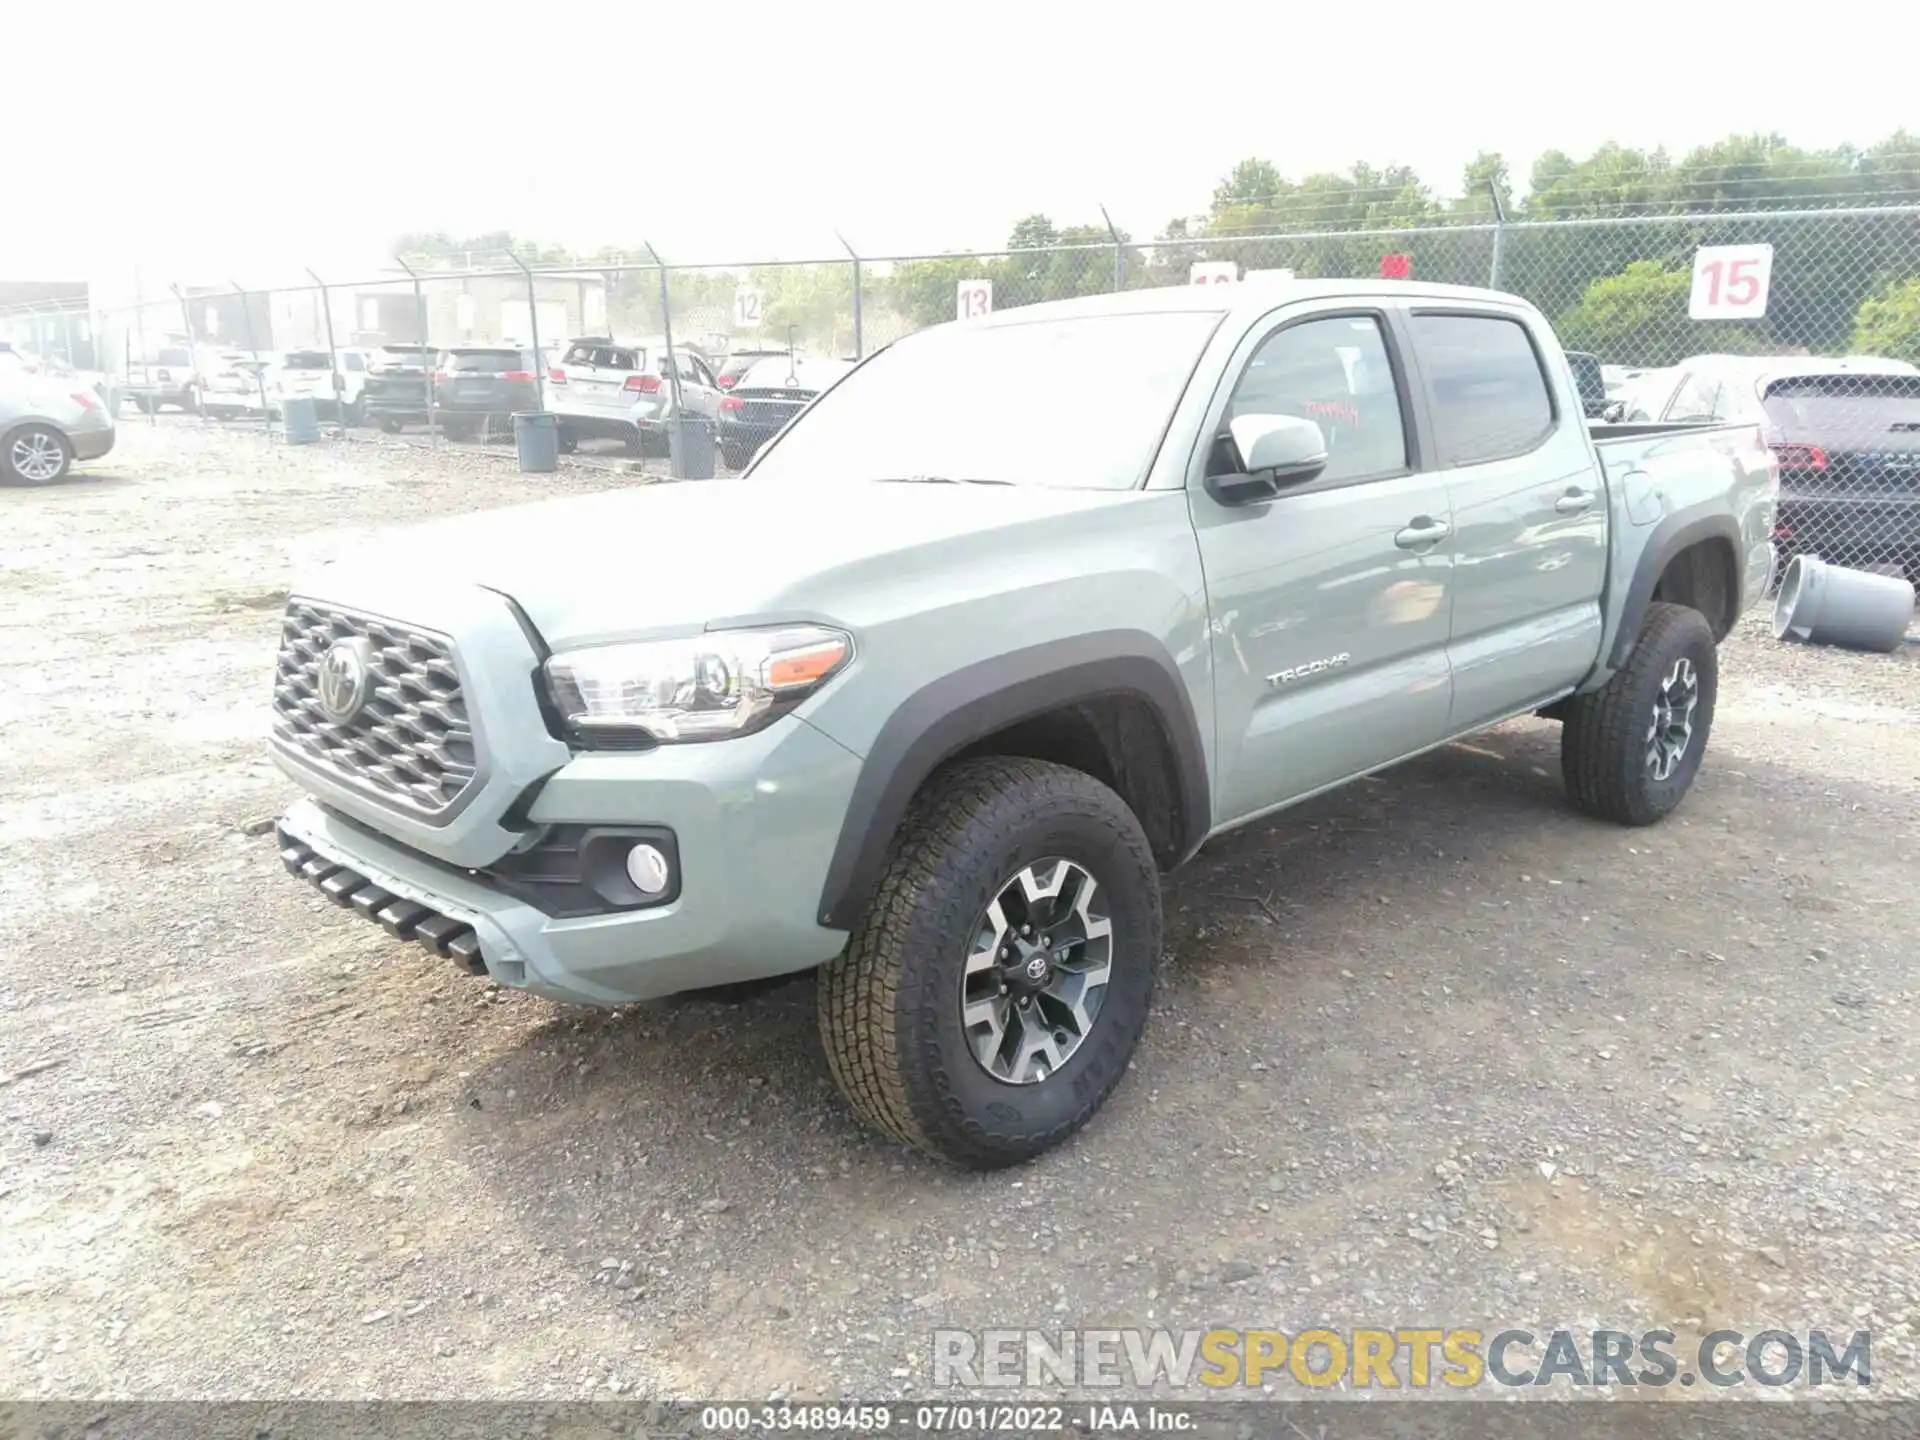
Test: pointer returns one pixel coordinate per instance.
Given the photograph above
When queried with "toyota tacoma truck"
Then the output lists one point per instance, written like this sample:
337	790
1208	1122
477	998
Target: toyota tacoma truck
1005	624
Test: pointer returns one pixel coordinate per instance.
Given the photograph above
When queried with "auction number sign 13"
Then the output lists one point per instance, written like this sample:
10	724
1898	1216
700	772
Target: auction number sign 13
973	298
1730	282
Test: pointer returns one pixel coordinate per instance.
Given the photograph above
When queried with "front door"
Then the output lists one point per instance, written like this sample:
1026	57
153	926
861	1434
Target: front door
1330	603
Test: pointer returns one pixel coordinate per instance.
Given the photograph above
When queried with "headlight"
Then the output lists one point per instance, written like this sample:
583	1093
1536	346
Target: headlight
731	682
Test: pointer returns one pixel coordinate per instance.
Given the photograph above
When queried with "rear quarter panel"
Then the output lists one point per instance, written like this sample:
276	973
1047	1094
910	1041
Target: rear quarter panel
1670	489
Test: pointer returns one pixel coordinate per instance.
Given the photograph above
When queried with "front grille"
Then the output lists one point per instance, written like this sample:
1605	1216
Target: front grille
411	743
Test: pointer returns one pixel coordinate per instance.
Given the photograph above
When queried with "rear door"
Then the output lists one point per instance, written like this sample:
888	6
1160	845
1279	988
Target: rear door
1329	602
699	391
1529	509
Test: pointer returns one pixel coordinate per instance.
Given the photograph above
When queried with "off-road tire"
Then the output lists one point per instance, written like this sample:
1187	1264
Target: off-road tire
889	1006
1603	743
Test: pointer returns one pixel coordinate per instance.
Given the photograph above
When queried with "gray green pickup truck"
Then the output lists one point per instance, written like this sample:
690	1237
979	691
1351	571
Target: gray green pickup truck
1005	624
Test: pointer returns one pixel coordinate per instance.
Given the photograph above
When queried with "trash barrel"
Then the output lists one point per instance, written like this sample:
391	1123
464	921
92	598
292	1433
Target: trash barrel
1832	605
300	419
690	444
536	435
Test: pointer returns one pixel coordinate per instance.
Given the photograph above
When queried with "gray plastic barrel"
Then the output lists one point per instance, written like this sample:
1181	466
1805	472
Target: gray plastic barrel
536	435
300	419
1831	605
690	447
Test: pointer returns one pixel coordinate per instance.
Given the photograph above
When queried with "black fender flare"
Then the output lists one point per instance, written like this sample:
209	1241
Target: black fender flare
1679	531
944	717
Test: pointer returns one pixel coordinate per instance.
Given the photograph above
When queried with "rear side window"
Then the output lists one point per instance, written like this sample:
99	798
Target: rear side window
352	361
1490	396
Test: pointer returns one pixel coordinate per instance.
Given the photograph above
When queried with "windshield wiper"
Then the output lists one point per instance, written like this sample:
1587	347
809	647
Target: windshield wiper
936	480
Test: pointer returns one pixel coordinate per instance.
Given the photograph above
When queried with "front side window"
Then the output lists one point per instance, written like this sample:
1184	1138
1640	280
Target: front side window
1491	400
1334	372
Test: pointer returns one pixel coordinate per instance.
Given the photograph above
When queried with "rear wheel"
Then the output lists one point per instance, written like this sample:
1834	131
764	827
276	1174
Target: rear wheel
1629	750
992	995
734	454
35	455
389	424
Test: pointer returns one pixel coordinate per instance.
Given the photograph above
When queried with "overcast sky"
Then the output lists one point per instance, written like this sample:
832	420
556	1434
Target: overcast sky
211	140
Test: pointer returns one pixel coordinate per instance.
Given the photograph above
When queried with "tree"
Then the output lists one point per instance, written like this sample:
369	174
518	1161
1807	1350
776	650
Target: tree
1639	317
1889	323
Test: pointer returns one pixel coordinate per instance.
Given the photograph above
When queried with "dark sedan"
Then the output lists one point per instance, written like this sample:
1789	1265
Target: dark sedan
766	397
478	388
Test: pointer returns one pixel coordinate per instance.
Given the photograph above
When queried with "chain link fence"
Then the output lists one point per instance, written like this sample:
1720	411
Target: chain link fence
1836	282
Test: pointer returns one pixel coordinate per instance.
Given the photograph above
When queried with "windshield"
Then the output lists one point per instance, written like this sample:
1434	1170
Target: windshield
1078	404
786	373
1853	404
306	360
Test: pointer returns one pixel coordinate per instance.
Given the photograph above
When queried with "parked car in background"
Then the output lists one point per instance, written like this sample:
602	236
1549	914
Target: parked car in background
170	377
612	389
394	394
336	384
1589	383
765	397
477	388
1846	431
743	359
237	383
46	423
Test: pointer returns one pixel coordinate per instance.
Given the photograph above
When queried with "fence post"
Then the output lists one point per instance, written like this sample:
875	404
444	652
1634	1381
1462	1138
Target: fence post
676	443
533	326
858	351
427	360
1499	234
253	344
186	315
335	381
1119	256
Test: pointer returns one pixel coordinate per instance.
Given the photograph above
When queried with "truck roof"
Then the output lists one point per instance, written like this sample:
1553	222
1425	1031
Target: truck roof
1253	296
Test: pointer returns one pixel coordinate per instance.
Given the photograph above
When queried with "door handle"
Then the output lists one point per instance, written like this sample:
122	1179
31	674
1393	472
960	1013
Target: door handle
1425	531
1574	502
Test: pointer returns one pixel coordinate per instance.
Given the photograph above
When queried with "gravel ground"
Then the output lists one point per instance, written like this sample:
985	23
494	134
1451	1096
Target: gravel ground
1432	1050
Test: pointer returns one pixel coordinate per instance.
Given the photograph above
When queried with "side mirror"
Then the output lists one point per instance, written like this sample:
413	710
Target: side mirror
1275	450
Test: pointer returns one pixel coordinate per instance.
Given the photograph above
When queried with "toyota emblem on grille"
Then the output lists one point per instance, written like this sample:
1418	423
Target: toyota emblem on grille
346	677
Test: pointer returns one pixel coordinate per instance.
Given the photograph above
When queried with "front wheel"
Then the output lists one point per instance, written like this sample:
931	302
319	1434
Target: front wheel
35	455
1629	750
992	995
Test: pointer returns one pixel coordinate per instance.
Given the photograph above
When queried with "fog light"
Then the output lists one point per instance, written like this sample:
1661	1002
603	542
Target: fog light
649	871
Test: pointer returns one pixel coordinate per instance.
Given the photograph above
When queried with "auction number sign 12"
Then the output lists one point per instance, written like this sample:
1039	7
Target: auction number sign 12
1730	282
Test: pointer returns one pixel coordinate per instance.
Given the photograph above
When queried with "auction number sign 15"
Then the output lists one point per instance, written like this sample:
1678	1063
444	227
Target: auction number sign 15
973	298
1730	282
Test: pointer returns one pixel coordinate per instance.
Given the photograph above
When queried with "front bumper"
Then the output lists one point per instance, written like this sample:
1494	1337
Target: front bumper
754	820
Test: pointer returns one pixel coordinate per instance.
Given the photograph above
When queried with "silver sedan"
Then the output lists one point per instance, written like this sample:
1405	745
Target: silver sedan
46	424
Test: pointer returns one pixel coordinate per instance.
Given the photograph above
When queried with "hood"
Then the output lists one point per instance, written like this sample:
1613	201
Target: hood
674	558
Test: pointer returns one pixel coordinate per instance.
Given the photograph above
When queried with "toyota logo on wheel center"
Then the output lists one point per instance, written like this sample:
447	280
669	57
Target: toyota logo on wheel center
346	677
1037	967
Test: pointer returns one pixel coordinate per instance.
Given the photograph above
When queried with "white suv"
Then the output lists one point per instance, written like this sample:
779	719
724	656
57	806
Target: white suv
623	390
307	372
